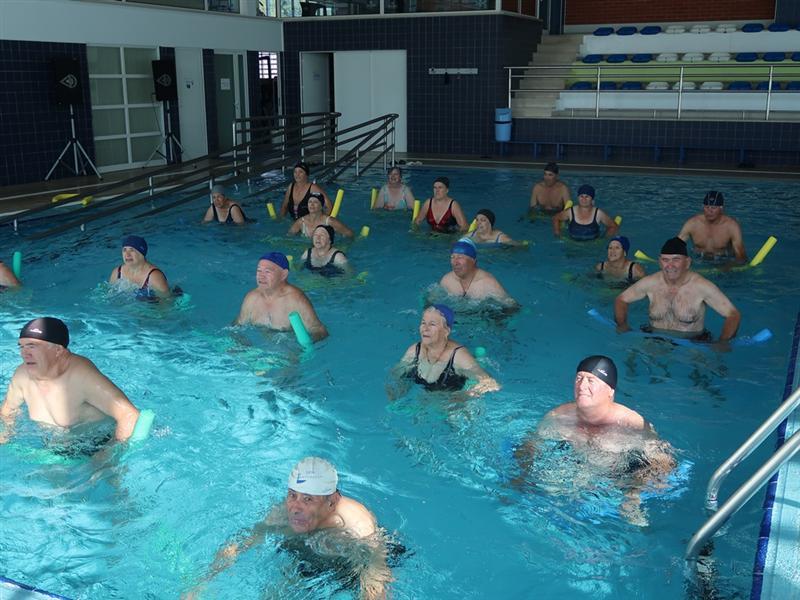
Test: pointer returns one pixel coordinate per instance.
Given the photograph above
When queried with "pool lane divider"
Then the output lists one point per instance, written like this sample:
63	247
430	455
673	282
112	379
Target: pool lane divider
21	590
747	340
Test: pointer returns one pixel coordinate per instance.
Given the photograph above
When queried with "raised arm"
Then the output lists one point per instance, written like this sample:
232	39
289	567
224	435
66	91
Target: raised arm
296	226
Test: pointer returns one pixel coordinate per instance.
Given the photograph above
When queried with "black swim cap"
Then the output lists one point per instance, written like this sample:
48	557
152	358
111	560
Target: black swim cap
674	246
331	231
443	180
552	167
714	199
304	166
488	214
48	329
601	367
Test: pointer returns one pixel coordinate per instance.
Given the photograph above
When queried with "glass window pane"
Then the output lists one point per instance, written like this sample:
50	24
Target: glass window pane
197	4
106	91
140	91
144	119
143	147
108	121
138	61
110	152
103	61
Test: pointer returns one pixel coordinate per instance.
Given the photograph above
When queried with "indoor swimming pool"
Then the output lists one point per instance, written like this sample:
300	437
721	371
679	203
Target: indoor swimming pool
237	407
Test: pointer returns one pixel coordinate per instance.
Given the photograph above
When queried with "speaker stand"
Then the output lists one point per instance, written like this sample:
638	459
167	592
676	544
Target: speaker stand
172	147
79	157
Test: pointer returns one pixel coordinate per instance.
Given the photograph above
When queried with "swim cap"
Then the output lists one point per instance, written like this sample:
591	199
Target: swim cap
674	246
317	196
394	168
714	199
601	367
329	229
314	476
466	248
624	242
279	258
137	243
218	189
442	180
48	329
488	214
304	166
446	312
586	189
552	167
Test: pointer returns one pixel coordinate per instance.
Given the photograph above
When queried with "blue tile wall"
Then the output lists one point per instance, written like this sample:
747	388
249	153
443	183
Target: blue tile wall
211	100
33	128
446	116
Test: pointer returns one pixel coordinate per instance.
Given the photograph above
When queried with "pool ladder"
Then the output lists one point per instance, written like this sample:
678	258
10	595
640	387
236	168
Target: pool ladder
739	498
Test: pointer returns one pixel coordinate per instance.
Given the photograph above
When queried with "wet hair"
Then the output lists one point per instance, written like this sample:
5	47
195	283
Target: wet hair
394	168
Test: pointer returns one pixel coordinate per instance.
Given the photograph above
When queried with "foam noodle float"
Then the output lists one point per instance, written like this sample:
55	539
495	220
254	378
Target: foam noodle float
373	198
415	212
618	220
60	197
300	332
762	253
16	264
642	256
364	231
568	204
337	205
473	226
271	211
758	338
143	426
86	200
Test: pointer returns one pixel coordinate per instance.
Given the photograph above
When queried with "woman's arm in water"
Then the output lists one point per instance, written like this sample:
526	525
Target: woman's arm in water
296	226
340	227
209	216
10	408
465	364
237	214
559	218
611	225
286	199
458	214
423	212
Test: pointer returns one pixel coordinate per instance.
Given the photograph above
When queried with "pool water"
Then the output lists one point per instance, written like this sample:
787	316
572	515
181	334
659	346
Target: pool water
236	408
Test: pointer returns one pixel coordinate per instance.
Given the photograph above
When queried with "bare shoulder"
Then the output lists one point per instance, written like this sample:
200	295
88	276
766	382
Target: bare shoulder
629	417
357	517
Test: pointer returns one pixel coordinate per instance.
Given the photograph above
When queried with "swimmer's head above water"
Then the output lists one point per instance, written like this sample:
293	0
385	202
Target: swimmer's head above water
586	190
446	312
552	167
314	476
278	258
465	247
137	243
623	241
488	214
714	198
48	329
601	367
675	246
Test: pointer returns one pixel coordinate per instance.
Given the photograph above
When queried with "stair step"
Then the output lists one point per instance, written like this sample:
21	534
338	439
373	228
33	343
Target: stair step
546	83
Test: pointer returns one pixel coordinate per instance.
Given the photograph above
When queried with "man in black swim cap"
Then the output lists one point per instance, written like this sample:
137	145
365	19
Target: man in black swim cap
604	433
713	233
314	505
678	298
550	194
61	388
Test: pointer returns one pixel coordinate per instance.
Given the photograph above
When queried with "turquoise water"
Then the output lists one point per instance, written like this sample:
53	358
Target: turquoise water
232	417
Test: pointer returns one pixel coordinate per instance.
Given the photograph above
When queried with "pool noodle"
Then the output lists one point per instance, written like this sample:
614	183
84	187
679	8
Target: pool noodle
473	226
143	426
373	198
415	212
337	205
60	197
618	220
642	256
300	332
364	231
762	253
86	199
271	211
16	264
568	204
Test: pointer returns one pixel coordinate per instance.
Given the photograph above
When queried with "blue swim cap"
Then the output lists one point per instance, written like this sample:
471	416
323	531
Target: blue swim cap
137	243
586	189
465	247
624	242
446	312
279	258
218	189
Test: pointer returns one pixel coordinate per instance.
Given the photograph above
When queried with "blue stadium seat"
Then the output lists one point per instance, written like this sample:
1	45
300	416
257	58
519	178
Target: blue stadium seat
752	27
631	85
592	59
651	30
627	30
616	58
793	86
738	86
608	85
746	57
774	56
763	85
796	56
642	58
581	85
778	27
603	31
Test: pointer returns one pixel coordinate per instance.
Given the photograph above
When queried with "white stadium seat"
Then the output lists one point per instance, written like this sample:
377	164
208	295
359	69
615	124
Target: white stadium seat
667	57
726	28
699	29
693	57
676	29
687	85
657	85
719	56
711	85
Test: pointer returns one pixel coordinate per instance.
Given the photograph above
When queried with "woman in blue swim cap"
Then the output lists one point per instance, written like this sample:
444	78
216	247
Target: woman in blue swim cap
617	267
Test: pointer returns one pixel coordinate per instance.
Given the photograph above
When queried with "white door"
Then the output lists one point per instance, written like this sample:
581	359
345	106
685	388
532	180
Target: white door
369	84
191	102
315	88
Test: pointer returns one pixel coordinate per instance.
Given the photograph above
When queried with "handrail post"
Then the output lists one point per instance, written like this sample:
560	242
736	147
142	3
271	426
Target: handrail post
597	95
150	185
394	120
769	92
233	136
385	141
680	92
510	69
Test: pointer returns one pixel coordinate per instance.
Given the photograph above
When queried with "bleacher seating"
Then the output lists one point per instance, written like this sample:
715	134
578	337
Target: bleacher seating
719	56
616	58
686	85
642	58
752	27
774	56
699	29
603	31
795	56
778	27
693	57
592	59
657	85
711	85
764	86
608	85
651	30
746	57
726	28
676	29
738	86
627	30
631	85
667	57
793	86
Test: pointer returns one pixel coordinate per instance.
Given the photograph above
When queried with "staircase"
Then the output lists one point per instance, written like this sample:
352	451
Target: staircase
554	50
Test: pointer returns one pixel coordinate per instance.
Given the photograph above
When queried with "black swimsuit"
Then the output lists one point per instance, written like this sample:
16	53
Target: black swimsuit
630	270
144	292
328	269
302	207
448	379
230	217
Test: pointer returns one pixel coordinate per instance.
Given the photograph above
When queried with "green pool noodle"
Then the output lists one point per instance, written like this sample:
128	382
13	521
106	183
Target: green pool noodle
16	264
300	331
143	425
480	351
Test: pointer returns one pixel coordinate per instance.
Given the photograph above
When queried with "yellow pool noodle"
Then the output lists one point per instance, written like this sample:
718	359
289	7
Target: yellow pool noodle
364	231
86	200
60	197
338	203
271	211
762	253
642	256
568	204
473	226
618	220
415	212
374	198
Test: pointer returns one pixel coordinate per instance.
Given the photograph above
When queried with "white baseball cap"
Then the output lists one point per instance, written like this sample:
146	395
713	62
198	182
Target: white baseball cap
314	476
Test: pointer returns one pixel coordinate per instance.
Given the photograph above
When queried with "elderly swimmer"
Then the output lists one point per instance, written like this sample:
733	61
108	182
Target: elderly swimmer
295	201
466	280
607	435
148	280
584	220
61	388
617	267
714	234
440	364
394	195
450	217
275	298
550	194
223	209
485	234
315	511
322	257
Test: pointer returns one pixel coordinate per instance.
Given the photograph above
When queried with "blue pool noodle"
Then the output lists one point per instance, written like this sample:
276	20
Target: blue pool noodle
300	332
143	426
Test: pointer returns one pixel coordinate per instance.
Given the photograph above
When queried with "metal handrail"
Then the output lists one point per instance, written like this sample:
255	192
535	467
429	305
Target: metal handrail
614	72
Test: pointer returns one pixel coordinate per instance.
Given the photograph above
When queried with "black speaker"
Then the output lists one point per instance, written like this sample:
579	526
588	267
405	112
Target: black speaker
66	80
164	80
